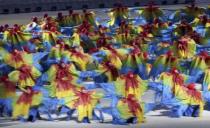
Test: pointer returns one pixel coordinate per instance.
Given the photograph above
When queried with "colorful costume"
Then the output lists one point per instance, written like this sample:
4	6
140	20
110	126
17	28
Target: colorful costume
118	15
136	61
8	93
185	99
106	72
59	65
189	12
15	38
185	48
25	76
29	98
130	108
151	12
163	63
63	78
130	84
206	81
199	64
84	102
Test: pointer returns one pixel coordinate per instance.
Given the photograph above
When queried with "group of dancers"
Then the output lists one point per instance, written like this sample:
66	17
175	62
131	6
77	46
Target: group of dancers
72	63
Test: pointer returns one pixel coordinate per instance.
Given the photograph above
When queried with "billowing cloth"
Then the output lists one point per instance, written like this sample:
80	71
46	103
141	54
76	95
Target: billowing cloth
130	84
159	27
80	58
191	98
199	63
176	93
190	12
25	76
84	102
143	40
15	37
206	80
8	88
125	33
58	53
201	21
130	107
25	101
200	37
75	40
50	38
151	12
163	63
185	48
126	110
8	93
59	71
89	16
182	29
136	62
115	56
107	69
73	19
63	80
16	58
118	15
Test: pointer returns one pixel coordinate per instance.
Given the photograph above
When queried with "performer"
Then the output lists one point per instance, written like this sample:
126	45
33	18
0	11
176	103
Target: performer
163	63
130	84
84	102
185	47
125	33
28	99
182	29
73	19
15	37
130	109
206	81
184	98
25	76
118	14
125	110
89	16
115	56
106	72
80	58
189	12
50	37
8	93
136	62
199	63
17	59
151	12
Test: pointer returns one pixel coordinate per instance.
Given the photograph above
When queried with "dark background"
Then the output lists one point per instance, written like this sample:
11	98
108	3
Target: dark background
26	6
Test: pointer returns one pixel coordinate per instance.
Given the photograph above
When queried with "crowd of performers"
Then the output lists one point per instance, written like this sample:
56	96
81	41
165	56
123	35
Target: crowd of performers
72	63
